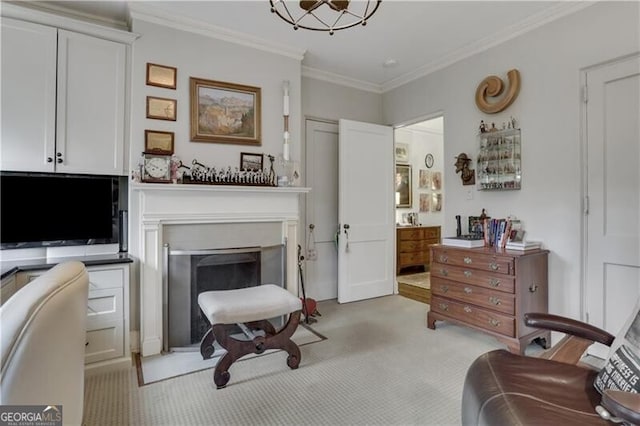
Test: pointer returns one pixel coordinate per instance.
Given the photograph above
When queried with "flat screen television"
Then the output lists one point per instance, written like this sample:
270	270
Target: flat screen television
47	209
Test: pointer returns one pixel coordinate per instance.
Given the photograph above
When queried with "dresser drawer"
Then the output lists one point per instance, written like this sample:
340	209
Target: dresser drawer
104	305
411	234
491	299
493	281
470	259
413	258
105	342
473	315
105	278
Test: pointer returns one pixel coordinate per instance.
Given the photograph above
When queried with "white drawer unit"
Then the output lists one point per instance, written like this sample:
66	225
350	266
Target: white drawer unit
107	313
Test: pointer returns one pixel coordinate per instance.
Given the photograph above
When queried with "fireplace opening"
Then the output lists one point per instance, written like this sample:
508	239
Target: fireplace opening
191	272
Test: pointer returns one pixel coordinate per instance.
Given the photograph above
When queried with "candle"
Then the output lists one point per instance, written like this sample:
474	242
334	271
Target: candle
285	151
286	98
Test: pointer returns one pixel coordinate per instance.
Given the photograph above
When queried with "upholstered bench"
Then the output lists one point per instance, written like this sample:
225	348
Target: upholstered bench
249	309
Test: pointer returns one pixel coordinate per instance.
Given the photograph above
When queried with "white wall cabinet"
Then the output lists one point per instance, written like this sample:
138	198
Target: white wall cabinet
107	341
63	101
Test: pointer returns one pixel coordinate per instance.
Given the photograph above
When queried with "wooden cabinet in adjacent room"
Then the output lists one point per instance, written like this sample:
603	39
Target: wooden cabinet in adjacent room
490	291
412	246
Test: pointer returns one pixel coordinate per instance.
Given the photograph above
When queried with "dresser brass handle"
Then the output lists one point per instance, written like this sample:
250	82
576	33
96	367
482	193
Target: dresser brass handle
494	266
467	290
444	306
494	282
494	322
443	258
467	274
444	272
467	260
467	309
495	300
444	288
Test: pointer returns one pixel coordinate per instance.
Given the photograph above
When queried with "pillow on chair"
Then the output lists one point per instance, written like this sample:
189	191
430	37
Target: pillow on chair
621	370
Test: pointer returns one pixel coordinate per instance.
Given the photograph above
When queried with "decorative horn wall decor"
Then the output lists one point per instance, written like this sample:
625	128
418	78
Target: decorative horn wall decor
492	86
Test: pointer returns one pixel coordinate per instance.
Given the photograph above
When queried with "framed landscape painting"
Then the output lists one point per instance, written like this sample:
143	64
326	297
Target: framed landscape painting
224	112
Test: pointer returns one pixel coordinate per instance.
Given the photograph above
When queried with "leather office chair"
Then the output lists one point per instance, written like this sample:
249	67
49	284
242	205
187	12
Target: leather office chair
43	333
502	388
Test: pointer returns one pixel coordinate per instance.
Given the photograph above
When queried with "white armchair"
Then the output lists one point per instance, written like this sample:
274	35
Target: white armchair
43	328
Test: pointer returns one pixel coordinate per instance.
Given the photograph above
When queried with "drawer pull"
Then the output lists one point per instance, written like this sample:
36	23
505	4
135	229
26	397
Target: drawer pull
467	260
468	290
494	282
444	306
444	288
444	272
533	288
495	300
467	309
444	258
494	266
86	344
494	322
467	274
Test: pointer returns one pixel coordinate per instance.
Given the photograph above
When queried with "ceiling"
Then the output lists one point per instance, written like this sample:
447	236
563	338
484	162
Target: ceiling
422	36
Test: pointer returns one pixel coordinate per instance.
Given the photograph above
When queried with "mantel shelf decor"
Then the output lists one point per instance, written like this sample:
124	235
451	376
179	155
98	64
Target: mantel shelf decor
199	173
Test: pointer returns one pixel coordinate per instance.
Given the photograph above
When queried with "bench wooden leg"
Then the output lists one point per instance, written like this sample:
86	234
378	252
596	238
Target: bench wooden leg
238	348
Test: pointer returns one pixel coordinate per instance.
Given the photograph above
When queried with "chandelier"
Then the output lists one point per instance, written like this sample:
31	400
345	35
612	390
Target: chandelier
325	15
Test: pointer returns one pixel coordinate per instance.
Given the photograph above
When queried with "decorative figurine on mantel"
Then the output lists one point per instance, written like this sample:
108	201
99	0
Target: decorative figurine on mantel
468	175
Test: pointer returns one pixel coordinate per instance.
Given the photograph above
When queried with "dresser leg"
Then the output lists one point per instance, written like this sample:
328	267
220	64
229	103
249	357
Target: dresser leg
431	322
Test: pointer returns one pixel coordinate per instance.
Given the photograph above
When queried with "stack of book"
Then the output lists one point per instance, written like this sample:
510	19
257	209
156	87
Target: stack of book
468	241
523	245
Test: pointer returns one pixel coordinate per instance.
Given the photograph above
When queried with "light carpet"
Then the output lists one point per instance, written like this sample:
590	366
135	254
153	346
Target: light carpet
153	369
380	365
421	279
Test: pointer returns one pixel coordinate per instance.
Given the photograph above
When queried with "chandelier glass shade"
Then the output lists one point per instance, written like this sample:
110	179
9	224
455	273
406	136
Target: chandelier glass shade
325	15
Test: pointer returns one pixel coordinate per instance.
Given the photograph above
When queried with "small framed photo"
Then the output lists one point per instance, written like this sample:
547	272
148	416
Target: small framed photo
250	161
161	76
425	203
403	185
161	108
424	179
158	142
402	152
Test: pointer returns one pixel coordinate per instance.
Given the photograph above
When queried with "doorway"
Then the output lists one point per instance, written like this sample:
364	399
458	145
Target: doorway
419	214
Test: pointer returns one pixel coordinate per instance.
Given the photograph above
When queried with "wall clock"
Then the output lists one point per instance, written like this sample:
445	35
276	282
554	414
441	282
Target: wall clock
428	161
156	168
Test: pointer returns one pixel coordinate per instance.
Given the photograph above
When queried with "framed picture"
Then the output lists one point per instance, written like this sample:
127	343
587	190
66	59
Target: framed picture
403	185
424	181
161	108
224	112
436	202
161	76
402	153
476	226
158	142
249	161
436	181
425	203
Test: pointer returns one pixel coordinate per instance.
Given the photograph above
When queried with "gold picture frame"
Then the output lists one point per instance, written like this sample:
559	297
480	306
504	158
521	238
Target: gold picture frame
404	189
161	108
225	112
158	142
161	75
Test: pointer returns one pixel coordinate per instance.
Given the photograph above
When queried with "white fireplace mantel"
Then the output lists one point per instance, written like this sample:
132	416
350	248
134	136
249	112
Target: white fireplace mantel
155	205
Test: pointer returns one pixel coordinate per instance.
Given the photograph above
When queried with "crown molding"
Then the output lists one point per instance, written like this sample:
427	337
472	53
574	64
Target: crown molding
340	80
45	16
138	10
511	32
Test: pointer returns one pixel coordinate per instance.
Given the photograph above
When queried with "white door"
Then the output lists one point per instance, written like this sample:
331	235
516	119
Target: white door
365	211
612	255
321	272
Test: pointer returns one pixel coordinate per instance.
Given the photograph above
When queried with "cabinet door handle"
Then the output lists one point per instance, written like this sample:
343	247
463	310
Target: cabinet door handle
86	344
468	290
59	160
467	274
467	260
444	306
494	266
444	272
495	300
494	322
494	282
49	160
444	288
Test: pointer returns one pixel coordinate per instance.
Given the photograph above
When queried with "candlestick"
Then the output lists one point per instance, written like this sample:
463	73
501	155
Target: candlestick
286	98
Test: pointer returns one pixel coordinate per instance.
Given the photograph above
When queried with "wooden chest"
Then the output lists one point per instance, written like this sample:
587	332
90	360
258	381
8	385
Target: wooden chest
490	291
412	245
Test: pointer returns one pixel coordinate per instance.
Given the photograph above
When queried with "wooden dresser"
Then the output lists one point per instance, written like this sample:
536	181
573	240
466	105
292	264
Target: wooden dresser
412	245
490	291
